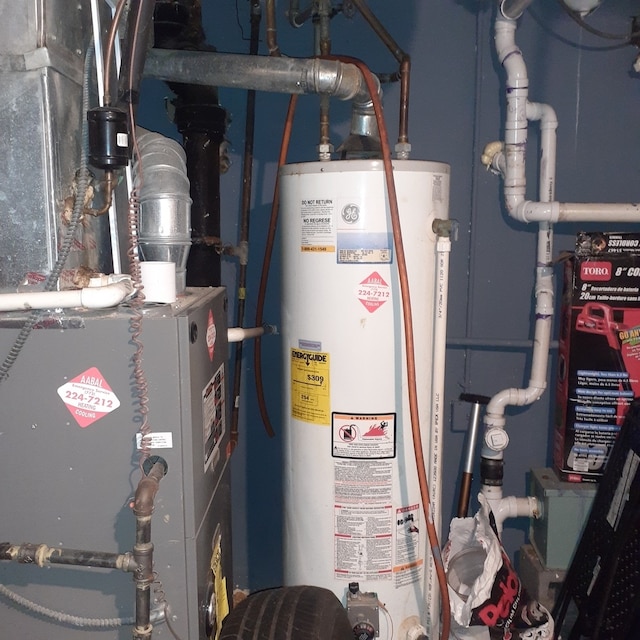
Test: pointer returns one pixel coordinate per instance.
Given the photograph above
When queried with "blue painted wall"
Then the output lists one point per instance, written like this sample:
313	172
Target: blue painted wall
456	107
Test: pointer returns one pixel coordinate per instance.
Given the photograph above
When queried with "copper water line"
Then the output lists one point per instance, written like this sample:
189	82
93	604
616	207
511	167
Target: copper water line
403	122
324	49
272	39
108	195
401	56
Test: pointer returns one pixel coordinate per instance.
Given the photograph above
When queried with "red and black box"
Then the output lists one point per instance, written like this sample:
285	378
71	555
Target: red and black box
599	351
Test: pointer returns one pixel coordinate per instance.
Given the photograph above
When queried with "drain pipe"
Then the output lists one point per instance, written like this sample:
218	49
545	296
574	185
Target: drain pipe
509	160
103	292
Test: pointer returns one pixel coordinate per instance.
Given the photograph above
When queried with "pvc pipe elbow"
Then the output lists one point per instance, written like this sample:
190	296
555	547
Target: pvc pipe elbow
545	113
110	295
527	211
512	507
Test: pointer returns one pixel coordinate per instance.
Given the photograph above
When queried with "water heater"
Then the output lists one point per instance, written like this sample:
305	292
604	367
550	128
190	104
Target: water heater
353	514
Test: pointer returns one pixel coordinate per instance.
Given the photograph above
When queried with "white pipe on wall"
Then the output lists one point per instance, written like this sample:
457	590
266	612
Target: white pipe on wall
238	334
513	167
510	159
443	250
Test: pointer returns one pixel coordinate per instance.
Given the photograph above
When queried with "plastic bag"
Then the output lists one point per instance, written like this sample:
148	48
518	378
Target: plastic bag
484	589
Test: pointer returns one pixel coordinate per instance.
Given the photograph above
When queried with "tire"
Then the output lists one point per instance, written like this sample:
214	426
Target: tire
288	613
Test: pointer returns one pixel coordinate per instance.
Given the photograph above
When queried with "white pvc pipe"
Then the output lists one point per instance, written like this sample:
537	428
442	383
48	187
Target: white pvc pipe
519	112
511	162
443	250
92	297
237	334
512	507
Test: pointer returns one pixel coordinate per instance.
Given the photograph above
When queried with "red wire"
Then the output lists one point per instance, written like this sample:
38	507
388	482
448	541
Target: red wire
409	341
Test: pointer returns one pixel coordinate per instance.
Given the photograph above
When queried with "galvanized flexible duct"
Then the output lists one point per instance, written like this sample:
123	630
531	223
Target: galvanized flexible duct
165	205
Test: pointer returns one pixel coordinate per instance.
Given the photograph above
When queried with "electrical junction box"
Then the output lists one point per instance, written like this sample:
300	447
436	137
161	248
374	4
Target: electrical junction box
599	352
69	465
564	509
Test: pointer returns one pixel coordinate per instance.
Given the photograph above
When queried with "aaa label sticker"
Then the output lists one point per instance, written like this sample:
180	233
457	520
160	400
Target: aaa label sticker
373	292
88	397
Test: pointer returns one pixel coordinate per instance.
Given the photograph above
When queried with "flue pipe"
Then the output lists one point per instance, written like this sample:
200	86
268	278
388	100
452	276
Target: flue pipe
276	74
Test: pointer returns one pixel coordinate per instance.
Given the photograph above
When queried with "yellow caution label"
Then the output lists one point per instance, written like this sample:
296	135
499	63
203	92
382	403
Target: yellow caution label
310	397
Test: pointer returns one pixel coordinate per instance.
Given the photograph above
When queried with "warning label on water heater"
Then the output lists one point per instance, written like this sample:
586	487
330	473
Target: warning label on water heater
317	228
363	520
365	436
310	400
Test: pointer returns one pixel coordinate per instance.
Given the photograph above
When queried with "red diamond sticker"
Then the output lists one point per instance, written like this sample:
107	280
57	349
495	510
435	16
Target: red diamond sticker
373	292
211	335
88	397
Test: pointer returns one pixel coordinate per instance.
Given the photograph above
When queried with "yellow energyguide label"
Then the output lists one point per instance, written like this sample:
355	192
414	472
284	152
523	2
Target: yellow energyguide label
310	398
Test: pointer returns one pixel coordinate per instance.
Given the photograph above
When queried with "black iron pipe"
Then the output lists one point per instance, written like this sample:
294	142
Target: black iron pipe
247	176
143	504
202	123
43	555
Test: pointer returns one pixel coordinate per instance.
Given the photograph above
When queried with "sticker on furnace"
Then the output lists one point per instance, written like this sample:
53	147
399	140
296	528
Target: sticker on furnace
88	397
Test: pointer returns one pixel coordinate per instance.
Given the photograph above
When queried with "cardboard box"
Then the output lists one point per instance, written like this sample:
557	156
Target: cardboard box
599	351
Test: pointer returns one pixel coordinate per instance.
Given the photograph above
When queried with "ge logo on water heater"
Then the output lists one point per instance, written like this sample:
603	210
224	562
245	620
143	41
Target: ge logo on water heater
351	213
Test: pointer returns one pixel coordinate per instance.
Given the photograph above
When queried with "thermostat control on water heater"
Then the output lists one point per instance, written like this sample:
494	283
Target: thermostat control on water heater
364	613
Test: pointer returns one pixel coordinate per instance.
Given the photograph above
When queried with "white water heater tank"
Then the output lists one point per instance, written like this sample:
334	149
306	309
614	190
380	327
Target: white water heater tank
353	511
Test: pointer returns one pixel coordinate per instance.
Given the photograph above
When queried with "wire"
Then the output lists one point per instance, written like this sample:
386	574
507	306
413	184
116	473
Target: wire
409	341
389	619
266	264
135	322
68	618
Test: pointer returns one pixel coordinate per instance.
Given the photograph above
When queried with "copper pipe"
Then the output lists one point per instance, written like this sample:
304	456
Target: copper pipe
272	44
380	30
108	195
403	125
